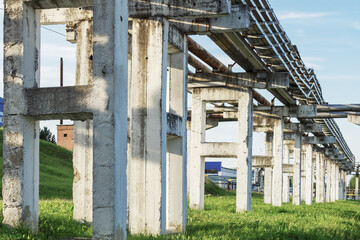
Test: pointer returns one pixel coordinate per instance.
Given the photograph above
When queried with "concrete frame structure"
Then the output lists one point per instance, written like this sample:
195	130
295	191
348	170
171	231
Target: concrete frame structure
241	149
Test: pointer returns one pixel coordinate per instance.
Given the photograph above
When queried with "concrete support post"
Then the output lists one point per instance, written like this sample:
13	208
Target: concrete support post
177	145
333	183
21	134
245	139
110	38
83	135
337	182
147	157
278	163
196	161
328	180
357	187
320	178
286	186
297	170
344	185
303	174
309	174
268	171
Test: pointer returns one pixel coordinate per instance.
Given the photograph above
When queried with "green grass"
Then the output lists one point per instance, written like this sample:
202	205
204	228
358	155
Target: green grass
340	220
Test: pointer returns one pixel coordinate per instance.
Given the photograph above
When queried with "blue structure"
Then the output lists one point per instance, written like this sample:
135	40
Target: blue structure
212	168
1	112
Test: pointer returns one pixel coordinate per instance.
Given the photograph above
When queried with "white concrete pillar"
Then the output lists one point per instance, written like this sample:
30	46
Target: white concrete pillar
268	171
196	162
83	135
21	134
320	177
286	184
328	180
277	186
303	174
309	174
176	199
245	140
337	182
333	183
357	187
297	170
110	83
147	157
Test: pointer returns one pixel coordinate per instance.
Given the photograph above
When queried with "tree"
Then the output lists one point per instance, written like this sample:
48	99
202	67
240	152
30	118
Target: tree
46	134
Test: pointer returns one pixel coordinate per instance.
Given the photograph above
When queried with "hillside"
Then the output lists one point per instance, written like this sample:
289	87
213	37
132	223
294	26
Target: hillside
56	172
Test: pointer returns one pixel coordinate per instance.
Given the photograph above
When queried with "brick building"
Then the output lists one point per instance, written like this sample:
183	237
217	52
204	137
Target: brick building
65	136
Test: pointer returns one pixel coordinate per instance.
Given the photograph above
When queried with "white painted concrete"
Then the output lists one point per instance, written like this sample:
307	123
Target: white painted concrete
320	178
357	187
297	170
268	171
328	180
309	174
286	184
147	158
245	136
277	186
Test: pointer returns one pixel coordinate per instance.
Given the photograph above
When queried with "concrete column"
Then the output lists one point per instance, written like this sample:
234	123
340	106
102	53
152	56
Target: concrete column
337	182
297	170
309	174
328	180
83	135
333	183
110	83
245	140
303	174
278	162
177	145
196	162
286	186
21	134
344	185
320	177
147	158
268	171
357	187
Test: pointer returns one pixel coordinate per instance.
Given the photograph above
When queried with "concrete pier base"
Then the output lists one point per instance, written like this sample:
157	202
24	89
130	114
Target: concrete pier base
286	183
277	187
320	178
309	174
328	180
297	170
268	171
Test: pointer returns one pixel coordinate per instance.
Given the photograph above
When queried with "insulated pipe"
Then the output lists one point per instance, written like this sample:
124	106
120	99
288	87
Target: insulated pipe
338	108
197	64
213	62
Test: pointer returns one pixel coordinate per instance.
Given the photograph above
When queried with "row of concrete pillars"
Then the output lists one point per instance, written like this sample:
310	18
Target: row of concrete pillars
130	110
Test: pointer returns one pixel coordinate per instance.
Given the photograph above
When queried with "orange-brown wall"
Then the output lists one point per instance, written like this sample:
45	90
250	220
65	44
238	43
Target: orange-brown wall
65	136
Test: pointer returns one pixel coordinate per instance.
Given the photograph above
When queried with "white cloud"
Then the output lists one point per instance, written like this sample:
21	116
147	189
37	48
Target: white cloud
313	62
303	15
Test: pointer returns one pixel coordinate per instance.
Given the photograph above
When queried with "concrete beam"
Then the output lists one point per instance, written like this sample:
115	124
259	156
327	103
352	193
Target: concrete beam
320	140
219	150
61	103
299	111
238	20
178	9
302	127
253	80
354	119
64	15
46	4
263	162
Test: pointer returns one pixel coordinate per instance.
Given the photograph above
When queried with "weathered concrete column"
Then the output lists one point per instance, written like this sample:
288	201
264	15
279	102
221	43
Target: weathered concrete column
196	161
268	171
277	185
337	182
333	182
303	174
344	185
357	187
110	47
83	135
245	141
286	186
176	202
297	170
21	134
147	158
309	174
328	180
320	177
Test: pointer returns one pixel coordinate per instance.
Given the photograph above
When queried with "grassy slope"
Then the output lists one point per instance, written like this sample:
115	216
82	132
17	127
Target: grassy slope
56	172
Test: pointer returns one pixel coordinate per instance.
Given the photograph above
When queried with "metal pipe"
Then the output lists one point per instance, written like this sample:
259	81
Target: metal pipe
197	64
338	108
213	62
61	78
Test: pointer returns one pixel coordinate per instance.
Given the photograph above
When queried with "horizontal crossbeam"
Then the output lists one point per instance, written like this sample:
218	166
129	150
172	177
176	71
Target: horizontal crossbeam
64	15
253	80
213	149
46	4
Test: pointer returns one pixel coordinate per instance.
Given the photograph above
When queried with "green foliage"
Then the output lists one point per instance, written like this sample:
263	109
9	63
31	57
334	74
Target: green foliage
352	182
212	189
46	134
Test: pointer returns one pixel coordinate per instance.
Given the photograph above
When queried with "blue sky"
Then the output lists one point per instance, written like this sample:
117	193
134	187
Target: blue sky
326	32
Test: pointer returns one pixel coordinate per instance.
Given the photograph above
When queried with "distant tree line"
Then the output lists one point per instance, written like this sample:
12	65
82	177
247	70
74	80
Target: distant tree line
46	134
